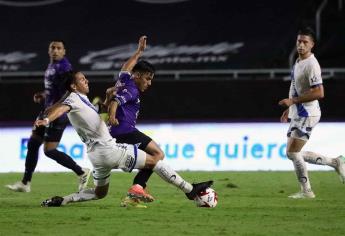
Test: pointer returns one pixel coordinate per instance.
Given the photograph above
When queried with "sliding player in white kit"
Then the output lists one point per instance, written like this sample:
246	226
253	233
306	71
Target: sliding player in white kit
304	112
104	153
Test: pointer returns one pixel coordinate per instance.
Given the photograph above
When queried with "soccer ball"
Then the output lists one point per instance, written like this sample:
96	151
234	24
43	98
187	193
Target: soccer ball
207	198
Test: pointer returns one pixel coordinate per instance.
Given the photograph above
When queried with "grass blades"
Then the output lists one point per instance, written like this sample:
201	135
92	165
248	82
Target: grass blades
250	203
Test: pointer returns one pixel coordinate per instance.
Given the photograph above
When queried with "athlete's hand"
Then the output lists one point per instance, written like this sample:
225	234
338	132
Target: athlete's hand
142	43
113	121
39	123
39	97
286	102
110	92
285	116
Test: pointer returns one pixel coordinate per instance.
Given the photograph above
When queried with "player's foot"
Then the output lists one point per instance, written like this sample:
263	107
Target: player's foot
52	202
138	192
302	194
197	188
84	178
131	202
340	169
19	187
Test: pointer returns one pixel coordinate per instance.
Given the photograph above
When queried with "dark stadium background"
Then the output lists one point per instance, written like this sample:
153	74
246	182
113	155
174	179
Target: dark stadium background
245	86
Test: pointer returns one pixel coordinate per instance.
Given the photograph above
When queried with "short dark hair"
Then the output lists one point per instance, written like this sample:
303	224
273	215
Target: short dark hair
143	67
59	41
309	32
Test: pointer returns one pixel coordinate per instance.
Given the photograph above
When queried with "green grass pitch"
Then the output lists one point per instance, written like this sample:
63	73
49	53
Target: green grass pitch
250	203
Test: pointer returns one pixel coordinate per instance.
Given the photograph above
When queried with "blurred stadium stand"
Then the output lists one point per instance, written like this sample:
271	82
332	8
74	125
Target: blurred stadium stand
216	60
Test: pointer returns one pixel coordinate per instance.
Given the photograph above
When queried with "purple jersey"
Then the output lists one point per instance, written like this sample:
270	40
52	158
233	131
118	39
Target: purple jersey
54	84
128	99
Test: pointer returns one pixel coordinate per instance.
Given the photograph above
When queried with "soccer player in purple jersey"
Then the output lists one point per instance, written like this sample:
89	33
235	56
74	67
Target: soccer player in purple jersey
54	84
104	153
135	77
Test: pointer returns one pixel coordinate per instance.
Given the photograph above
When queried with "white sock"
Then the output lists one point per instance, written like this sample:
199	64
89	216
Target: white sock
84	195
301	170
318	159
169	175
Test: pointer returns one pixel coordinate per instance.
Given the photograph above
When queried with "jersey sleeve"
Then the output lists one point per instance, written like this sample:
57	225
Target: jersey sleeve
314	75
124	76
125	93
72	101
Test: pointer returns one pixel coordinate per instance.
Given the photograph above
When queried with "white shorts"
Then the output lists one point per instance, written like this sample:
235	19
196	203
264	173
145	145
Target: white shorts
302	127
109	155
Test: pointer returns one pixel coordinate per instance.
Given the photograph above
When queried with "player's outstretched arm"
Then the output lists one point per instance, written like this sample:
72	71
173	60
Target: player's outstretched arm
109	95
112	113
53	114
130	63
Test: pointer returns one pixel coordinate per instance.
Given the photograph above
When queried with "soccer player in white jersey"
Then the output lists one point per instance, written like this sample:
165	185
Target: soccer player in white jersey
104	153
304	113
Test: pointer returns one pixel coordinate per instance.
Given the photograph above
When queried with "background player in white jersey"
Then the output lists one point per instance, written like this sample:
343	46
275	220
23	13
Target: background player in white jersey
104	153
304	113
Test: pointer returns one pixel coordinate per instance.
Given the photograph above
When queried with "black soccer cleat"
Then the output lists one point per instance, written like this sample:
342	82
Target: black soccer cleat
53	202
197	188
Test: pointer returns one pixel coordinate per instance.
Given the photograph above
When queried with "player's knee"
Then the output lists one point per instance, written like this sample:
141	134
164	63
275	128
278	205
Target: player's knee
159	155
50	152
292	155
34	143
151	161
155	159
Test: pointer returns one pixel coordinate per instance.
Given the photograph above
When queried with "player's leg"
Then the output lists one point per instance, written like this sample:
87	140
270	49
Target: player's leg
52	138
143	175
298	134
338	163
103	159
139	160
138	189
31	160
294	147
319	159
96	193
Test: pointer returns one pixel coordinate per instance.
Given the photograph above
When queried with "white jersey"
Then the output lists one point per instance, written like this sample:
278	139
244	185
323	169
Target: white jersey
85	119
305	75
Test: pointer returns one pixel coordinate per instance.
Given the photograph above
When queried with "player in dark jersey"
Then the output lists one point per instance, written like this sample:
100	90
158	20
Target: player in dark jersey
54	84
135	77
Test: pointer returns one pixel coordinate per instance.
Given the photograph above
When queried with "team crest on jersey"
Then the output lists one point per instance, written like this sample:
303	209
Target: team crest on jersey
50	72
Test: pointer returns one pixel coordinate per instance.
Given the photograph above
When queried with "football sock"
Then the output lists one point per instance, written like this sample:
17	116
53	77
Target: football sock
301	170
142	177
169	175
31	159
84	195
318	159
64	160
